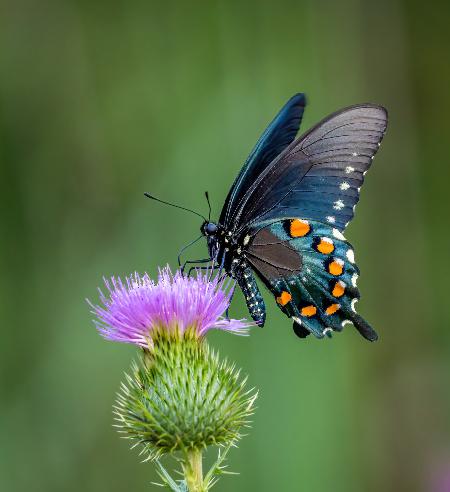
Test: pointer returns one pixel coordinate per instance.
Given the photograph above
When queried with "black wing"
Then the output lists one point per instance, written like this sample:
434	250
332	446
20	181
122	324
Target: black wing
318	177
277	136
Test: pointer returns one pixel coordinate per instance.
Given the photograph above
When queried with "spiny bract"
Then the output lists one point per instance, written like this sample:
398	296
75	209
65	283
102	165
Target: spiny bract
181	397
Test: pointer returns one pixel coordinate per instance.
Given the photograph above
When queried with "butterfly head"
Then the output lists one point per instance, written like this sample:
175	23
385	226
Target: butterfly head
211	231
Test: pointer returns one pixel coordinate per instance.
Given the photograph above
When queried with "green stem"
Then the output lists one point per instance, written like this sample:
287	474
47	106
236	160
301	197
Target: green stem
194	471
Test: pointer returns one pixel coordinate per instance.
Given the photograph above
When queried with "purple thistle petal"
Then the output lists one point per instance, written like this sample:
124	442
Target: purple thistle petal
130	310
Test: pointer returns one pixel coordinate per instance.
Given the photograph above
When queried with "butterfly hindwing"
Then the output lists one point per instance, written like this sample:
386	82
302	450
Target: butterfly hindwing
310	269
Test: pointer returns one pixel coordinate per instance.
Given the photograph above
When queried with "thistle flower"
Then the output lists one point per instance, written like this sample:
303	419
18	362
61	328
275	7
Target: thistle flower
179	397
134	309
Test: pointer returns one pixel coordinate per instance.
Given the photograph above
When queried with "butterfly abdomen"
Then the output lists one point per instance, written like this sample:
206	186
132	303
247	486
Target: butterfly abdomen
252	294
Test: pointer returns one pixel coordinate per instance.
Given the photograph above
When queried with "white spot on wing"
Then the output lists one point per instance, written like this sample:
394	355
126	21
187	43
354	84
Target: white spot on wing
354	279
246	240
344	186
354	154
349	169
331	219
346	322
338	234
326	240
354	301
350	256
338	204
297	320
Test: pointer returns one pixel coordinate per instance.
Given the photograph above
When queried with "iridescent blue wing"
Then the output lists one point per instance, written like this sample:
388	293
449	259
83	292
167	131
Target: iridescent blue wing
277	136
310	269
318	176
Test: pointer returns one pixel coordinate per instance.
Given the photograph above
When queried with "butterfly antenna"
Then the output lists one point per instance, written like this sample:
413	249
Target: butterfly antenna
209	205
173	205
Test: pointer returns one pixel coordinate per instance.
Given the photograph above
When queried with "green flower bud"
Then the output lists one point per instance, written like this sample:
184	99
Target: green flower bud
181	397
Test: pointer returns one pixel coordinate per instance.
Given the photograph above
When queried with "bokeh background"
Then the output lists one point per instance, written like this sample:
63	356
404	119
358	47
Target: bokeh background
101	101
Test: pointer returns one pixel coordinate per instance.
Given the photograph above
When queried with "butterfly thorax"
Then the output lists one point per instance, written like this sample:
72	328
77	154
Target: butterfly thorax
230	252
224	247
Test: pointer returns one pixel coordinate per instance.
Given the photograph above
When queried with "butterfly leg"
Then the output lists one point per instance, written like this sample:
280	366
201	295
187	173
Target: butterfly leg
184	248
229	304
222	263
190	262
208	268
223	276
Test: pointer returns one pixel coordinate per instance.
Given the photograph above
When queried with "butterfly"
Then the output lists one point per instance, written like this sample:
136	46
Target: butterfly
284	217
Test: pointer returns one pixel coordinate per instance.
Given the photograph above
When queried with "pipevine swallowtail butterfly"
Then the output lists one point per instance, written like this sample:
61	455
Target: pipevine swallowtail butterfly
284	217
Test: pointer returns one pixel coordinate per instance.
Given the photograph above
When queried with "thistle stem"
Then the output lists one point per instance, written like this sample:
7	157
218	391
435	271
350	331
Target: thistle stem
194	471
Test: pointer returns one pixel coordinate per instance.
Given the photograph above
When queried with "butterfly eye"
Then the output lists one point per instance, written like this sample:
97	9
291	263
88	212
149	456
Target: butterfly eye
210	228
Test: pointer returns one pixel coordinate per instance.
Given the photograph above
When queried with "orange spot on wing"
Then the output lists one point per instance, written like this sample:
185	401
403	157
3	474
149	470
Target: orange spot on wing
284	298
299	228
336	267
308	311
338	289
332	309
325	246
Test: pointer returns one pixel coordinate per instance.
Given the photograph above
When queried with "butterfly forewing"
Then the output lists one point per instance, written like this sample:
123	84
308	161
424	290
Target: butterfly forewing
318	176
277	136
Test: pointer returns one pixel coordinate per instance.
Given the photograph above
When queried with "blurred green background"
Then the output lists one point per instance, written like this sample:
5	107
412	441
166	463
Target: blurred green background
101	101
